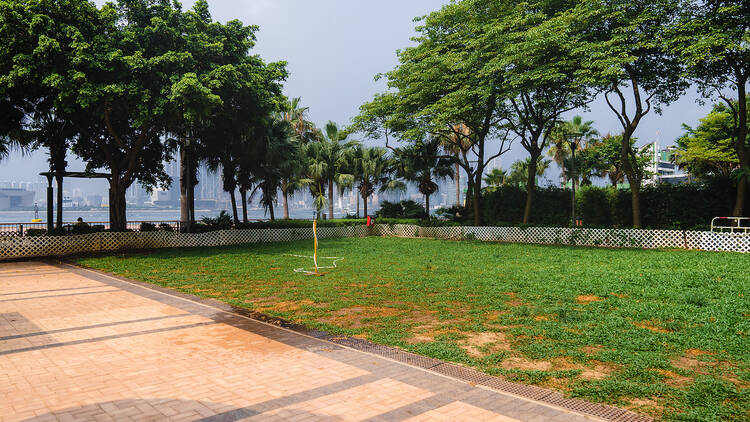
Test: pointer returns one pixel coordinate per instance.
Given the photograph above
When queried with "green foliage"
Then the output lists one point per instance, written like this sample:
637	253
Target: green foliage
664	206
148	227
403	209
221	222
708	150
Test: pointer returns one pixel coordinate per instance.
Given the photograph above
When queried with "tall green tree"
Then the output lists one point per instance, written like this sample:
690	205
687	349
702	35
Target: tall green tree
327	165
304	131
709	149
125	88
269	161
442	89
539	50
424	165
628	46
523	170
568	138
45	43
711	39
378	173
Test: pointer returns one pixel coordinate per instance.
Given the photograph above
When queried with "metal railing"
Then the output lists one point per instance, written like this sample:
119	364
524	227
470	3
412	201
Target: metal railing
731	225
23	229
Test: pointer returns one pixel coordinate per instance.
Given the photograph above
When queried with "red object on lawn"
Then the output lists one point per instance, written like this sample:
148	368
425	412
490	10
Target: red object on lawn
369	221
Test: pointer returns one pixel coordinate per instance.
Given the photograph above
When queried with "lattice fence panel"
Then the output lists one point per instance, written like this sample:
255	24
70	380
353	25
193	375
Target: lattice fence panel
28	247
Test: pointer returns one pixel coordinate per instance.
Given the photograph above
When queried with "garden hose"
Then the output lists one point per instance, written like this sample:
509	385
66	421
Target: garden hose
317	272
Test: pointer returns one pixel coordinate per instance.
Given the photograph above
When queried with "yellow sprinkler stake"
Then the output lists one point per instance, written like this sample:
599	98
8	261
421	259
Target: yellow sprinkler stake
316	272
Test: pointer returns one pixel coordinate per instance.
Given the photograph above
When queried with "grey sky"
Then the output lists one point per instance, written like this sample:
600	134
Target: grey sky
334	48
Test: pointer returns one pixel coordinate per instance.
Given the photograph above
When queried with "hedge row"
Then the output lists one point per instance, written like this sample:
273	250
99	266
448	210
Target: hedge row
662	206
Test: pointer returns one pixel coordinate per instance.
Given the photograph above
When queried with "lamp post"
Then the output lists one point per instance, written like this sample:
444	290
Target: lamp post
574	177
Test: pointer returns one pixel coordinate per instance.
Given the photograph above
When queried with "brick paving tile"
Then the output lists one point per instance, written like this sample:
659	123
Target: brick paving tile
81	346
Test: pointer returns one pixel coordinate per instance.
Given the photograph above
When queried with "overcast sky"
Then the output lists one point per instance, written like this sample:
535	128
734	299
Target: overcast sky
334	49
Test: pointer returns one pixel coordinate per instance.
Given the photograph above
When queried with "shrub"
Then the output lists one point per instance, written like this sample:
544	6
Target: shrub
36	232
222	222
166	227
148	227
403	209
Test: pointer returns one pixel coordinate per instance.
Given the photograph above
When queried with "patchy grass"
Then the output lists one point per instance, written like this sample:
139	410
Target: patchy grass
661	332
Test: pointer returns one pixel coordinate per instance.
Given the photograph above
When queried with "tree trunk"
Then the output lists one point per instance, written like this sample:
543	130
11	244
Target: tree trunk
271	212
357	195
330	199
59	180
458	185
243	197
633	178
743	153
234	207
184	182
635	194
530	187
285	197
427	204
739	205
117	204
364	202
477	202
573	185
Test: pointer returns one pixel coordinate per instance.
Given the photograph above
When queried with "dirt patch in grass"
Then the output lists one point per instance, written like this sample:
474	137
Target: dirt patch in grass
585	299
645	405
513	299
592	350
674	379
495	315
526	364
481	344
651	326
352	317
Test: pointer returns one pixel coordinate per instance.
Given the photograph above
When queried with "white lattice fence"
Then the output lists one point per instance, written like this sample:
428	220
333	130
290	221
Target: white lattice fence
611	238
29	247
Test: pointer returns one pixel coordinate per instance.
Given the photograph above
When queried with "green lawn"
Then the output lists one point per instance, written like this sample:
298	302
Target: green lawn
661	332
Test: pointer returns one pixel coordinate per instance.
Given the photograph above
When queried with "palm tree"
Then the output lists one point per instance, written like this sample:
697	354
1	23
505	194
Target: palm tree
495	178
575	132
304	131
569	138
519	170
327	164
423	165
455	146
378	172
273	156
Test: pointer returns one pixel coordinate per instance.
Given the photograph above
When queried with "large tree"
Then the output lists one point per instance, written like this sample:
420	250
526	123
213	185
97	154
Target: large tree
441	89
378	173
711	39
538	48
423	165
327	164
708	150
125	88
628	45
45	43
304	131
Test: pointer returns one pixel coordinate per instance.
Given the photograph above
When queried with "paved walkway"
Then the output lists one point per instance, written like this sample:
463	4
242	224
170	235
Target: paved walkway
77	345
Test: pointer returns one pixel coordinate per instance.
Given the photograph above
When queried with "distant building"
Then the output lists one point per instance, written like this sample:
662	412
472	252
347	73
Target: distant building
662	168
15	198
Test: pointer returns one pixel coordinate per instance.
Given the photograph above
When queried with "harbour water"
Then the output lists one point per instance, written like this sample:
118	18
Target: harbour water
155	214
